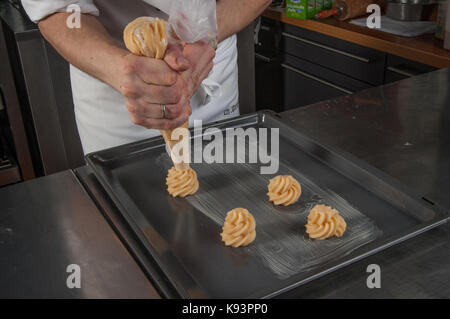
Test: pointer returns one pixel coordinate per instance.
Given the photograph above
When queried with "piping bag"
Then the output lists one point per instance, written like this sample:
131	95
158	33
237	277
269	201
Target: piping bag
189	21
146	36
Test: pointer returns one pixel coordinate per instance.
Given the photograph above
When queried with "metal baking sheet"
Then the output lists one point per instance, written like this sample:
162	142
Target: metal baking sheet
183	235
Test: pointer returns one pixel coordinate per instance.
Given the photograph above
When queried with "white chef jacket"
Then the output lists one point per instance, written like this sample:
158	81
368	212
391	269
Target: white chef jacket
101	115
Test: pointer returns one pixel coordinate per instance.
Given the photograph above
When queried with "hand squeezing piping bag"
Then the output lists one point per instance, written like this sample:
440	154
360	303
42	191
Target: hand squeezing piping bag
146	36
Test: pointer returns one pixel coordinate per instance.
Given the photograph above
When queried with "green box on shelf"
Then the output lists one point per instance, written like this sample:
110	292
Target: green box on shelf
300	9
320	5
327	4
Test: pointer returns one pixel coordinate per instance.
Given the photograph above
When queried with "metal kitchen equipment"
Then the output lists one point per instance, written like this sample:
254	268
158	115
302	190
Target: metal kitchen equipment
176	235
407	10
18	166
35	83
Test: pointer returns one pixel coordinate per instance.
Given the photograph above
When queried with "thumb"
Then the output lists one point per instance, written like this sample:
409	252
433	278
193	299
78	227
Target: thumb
175	59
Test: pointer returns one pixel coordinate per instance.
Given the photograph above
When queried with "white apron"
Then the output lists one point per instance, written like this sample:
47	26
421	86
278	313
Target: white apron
102	118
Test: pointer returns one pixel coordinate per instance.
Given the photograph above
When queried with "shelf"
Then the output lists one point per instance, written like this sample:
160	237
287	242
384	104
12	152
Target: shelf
424	49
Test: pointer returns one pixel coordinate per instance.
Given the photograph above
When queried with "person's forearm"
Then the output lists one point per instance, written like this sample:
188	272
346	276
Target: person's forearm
235	15
147	84
89	48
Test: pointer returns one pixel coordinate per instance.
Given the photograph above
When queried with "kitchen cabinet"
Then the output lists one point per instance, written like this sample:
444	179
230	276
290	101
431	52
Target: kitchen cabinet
15	158
306	83
355	61
297	67
399	69
37	97
268	73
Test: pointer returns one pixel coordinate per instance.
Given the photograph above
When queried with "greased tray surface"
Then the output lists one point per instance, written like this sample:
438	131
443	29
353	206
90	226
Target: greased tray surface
183	235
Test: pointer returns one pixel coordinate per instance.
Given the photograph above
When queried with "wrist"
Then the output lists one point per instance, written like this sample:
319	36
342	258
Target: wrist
121	64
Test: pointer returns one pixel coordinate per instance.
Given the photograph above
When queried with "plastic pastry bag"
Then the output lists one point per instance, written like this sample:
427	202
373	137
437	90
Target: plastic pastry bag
191	21
194	20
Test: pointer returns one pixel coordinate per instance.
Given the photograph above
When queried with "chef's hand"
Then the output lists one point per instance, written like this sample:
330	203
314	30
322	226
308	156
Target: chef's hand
147	84
200	57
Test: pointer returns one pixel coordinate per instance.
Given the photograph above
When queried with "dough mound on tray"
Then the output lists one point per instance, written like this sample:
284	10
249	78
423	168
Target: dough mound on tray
239	228
181	183
284	190
325	222
146	36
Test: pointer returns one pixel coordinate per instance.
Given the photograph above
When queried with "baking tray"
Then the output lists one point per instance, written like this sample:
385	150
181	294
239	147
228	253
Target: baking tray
182	236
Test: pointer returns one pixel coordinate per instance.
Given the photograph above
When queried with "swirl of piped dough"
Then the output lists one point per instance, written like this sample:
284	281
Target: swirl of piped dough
284	190
181	183
239	228
325	222
146	36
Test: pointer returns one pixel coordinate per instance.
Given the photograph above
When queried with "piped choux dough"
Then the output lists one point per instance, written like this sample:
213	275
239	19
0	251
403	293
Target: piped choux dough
284	190
147	36
325	222
181	183
177	159
239	228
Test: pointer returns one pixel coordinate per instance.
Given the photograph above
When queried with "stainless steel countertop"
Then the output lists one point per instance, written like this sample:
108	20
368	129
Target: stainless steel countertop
49	223
404	130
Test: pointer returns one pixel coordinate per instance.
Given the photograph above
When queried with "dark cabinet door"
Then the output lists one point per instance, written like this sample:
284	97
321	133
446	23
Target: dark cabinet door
287	82
269	83
307	83
302	89
353	60
399	69
268	76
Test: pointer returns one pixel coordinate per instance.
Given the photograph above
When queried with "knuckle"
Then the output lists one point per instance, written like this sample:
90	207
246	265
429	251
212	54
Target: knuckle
167	125
176	110
135	120
128	90
132	108
150	123
138	120
130	64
